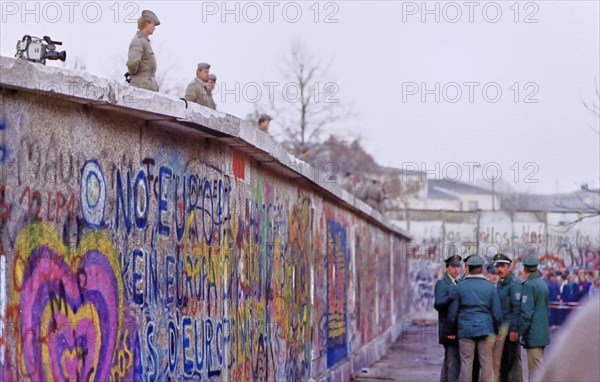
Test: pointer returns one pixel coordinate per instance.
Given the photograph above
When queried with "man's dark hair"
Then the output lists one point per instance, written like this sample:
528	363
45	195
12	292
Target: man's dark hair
263	118
475	269
531	269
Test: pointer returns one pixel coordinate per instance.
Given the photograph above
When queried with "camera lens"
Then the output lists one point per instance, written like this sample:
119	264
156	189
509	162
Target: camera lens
53	55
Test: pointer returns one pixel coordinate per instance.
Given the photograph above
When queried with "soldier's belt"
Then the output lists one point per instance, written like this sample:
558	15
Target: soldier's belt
145	75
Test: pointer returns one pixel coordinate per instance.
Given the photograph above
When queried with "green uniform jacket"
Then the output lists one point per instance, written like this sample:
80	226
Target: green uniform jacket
476	311
197	92
535	309
444	292
141	63
509	292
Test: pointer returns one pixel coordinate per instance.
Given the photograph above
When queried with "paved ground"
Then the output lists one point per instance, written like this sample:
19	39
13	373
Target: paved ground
414	357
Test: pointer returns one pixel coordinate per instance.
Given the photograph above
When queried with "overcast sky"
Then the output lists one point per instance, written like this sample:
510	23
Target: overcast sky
486	82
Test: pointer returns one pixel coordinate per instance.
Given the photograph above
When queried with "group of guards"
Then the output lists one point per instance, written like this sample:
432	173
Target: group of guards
141	66
482	325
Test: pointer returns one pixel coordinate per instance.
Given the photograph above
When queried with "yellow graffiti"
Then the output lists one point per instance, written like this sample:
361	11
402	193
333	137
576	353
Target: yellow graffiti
336	324
191	248
87	312
124	361
39	235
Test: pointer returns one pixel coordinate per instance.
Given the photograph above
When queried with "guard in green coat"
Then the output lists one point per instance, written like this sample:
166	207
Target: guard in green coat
476	315
507	352
535	309
445	290
476	367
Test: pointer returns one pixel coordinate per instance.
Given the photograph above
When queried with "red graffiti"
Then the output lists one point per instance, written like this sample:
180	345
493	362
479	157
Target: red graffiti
239	166
56	205
4	206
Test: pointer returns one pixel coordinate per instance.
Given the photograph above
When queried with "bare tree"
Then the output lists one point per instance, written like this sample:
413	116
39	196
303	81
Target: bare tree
594	107
167	84
588	200
308	105
76	63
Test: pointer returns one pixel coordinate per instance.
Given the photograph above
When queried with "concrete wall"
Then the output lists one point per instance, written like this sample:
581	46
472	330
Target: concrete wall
559	239
142	239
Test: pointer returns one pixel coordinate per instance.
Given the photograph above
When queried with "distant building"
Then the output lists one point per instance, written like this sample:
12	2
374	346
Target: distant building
443	194
583	200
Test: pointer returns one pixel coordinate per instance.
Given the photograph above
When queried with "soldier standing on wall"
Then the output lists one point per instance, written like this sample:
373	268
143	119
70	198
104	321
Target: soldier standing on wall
197	91
374	195
263	123
210	86
141	61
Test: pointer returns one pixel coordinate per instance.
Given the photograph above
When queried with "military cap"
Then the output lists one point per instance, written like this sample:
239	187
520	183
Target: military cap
475	261
491	269
467	258
501	258
453	260
530	261
203	65
264	117
151	15
212	77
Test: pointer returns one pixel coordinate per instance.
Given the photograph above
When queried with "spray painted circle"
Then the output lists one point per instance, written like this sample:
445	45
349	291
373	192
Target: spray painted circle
92	194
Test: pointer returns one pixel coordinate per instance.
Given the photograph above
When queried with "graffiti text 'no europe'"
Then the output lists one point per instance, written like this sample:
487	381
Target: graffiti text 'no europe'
178	196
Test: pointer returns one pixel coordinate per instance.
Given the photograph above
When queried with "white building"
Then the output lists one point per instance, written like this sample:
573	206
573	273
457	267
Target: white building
443	194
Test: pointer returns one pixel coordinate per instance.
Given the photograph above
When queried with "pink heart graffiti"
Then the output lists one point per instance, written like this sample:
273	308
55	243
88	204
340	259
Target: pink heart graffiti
70	318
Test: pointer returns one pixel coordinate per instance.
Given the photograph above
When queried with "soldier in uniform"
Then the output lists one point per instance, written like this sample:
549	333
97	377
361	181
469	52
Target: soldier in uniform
348	181
507	352
197	91
476	367
374	195
210	85
475	315
492	276
141	62
534	328
445	290
263	123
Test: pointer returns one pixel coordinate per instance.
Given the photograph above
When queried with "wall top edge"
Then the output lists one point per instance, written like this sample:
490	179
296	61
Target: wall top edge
96	92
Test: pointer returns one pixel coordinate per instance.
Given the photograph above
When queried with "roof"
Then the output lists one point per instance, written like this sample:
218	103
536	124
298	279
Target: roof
578	201
441	193
443	188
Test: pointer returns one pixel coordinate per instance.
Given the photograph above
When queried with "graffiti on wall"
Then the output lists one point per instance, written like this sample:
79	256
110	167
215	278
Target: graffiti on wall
70	306
151	273
130	254
337	278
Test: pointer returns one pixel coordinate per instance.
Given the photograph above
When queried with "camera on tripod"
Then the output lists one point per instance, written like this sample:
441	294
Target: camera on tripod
39	50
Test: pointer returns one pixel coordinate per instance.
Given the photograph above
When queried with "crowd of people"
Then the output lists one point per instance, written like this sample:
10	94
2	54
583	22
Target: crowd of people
486	316
566	289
